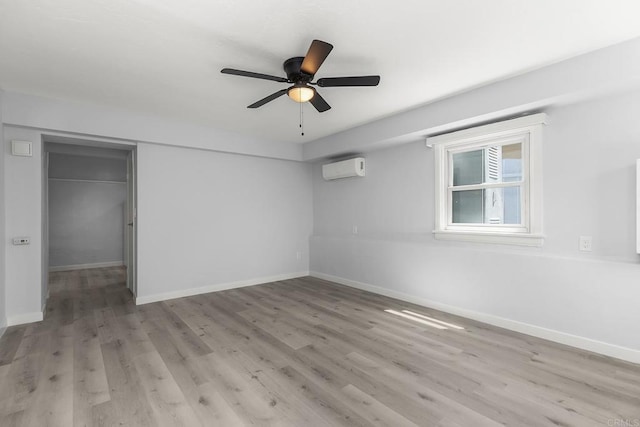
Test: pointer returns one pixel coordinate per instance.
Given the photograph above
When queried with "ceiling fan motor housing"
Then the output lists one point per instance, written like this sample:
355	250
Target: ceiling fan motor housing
292	69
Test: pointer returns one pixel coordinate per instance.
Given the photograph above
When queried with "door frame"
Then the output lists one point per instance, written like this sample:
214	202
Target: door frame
86	141
131	224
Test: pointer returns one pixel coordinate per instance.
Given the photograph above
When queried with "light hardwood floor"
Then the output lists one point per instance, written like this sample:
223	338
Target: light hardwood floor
302	352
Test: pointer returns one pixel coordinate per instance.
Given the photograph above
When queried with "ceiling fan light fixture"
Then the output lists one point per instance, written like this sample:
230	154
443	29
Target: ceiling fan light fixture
301	93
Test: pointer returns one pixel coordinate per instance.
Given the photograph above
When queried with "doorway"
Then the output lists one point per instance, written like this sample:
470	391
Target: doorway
89	207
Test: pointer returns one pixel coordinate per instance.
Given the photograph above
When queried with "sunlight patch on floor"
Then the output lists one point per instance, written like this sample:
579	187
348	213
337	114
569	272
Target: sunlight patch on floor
425	320
451	325
417	319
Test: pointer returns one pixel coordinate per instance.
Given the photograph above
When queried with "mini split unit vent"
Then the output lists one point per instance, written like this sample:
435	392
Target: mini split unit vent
343	169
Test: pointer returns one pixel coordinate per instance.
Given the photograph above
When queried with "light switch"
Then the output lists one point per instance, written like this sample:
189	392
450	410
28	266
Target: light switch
21	148
21	240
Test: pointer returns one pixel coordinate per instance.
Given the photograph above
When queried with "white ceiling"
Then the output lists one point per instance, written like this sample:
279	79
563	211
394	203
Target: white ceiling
164	56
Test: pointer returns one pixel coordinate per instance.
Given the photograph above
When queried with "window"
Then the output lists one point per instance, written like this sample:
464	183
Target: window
488	183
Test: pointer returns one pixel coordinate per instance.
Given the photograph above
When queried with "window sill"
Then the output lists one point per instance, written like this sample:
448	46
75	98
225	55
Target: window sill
519	239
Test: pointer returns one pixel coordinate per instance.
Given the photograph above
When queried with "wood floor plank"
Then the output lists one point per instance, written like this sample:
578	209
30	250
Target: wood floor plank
128	404
105	321
252	405
265	380
163	394
288	334
129	330
10	343
186	338
324	400
207	403
6	395
23	379
439	401
53	402
289	353
377	413
90	384
212	408
12	420
343	372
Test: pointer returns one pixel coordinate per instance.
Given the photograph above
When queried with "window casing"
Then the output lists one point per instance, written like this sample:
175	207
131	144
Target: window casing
488	183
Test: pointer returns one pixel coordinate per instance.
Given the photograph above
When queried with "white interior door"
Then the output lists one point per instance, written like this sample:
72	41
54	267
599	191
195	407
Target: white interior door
45	226
131	223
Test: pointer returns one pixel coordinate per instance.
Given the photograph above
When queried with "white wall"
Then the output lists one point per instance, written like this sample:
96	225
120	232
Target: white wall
212	220
87	198
91	167
207	220
23	210
82	119
615	68
589	156
3	313
86	223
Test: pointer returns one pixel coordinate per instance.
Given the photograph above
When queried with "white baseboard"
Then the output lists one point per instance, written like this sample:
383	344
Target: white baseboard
20	319
85	266
3	327
612	350
44	305
217	287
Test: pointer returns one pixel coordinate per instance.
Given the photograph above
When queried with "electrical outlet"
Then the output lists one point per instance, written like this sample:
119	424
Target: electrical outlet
586	243
21	240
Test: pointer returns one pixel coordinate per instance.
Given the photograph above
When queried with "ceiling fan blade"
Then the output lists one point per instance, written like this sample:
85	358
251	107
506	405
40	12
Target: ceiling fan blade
349	81
252	74
269	98
318	52
319	103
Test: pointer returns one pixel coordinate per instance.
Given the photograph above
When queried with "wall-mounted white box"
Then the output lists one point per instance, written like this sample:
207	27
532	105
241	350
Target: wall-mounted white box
343	169
21	148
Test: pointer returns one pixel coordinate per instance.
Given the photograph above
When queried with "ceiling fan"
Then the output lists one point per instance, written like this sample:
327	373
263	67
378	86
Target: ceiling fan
300	72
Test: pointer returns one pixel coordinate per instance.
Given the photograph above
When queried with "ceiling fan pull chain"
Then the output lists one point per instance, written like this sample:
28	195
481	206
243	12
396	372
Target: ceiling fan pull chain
301	120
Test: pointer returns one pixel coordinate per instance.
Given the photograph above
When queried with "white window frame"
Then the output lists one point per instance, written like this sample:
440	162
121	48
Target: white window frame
526	130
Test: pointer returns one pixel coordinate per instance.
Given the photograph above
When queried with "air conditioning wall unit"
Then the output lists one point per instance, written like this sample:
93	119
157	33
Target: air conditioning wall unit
343	169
